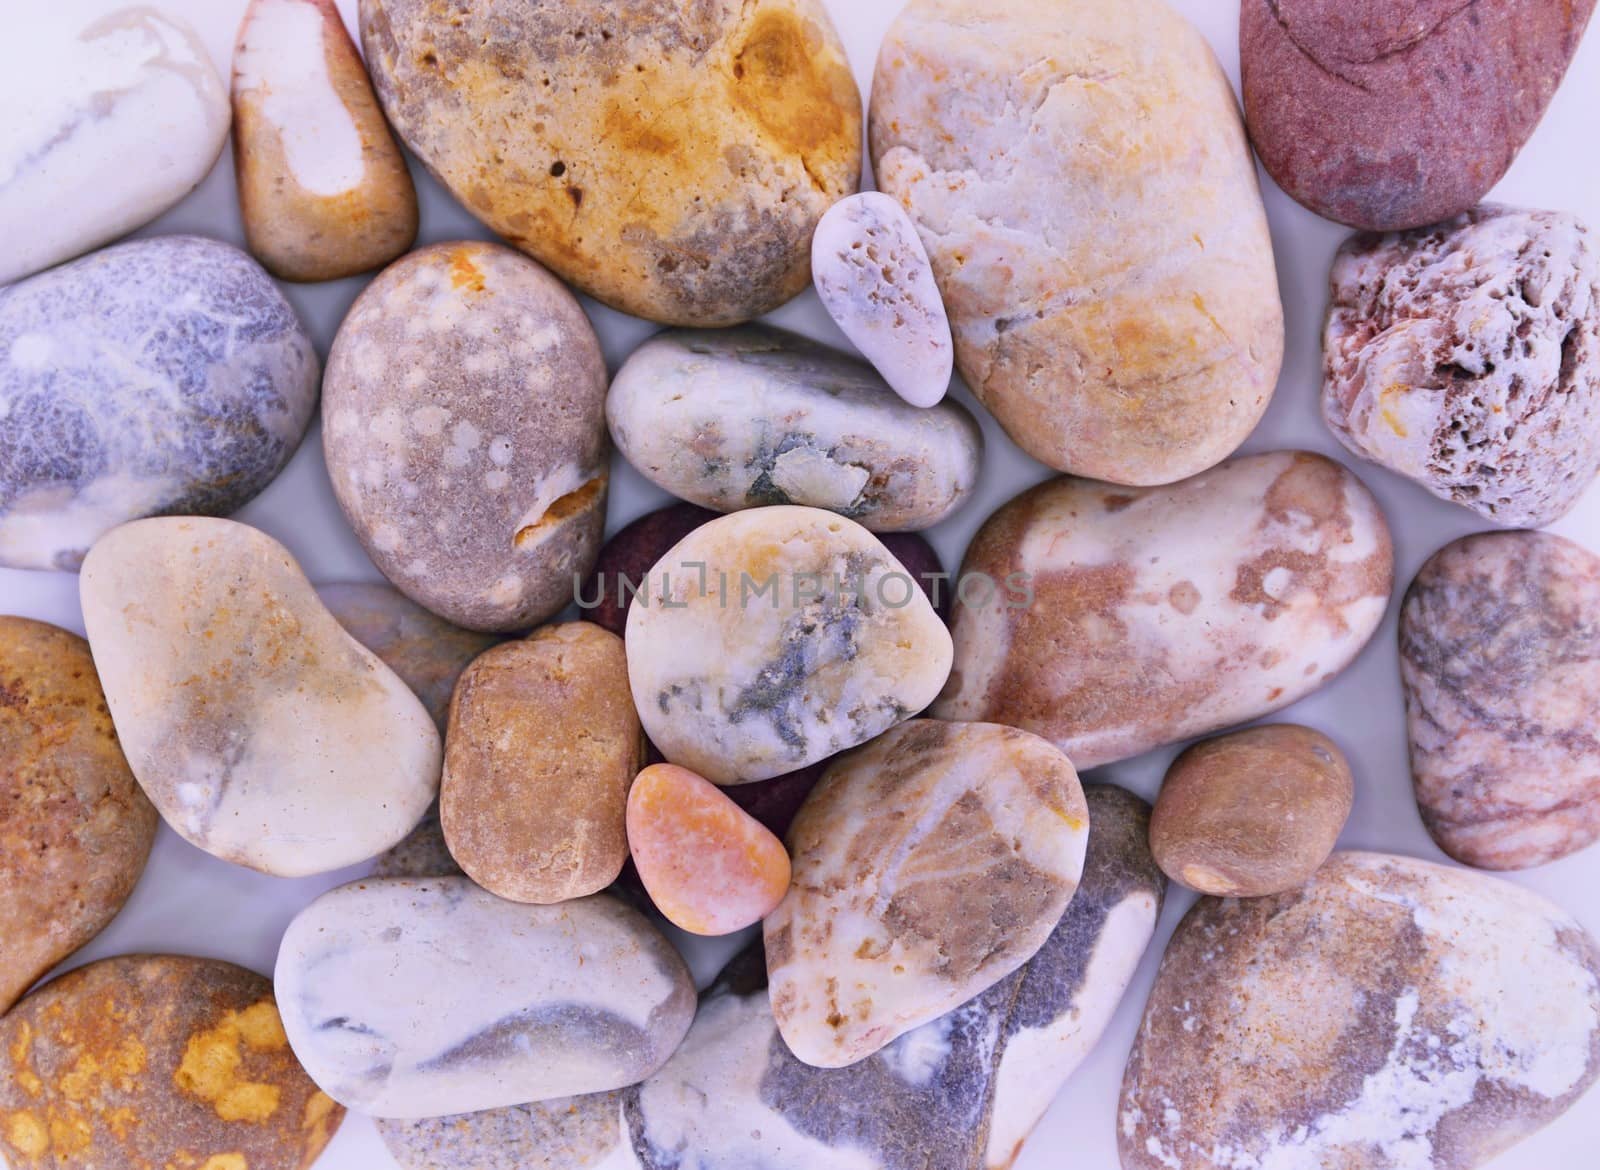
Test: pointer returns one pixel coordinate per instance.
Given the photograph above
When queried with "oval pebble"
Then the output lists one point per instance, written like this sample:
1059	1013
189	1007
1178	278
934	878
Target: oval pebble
803	637
263	732
151	1062
463	423
710	867
1135	618
158	377
75	829
413	999
829	433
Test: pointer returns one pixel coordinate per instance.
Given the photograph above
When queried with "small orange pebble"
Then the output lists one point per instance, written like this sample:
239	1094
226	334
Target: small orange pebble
710	867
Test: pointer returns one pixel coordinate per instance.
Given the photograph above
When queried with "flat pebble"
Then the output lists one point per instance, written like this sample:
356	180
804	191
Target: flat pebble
323	188
152	1062
874	278
411	999
778	637
1080	176
115	113
263	732
75	829
463	423
1390	1014
1119	620
1466	356
709	866
671	160
928	865
829	433
1252	813
1500	657
542	747
164	376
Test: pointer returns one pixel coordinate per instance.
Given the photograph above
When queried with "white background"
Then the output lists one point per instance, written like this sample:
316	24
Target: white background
191	903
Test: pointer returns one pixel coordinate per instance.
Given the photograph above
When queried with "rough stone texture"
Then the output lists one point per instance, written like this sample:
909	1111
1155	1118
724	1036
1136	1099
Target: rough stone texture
566	1133
1139	618
463	421
798	638
153	1062
263	732
118	115
323	188
1392	1014
828	434
874	278
1402	112
75	830
1252	813
928	866
165	376
1080	176
670	159
542	747
710	867
1500	657
1466	356
422	853
424	998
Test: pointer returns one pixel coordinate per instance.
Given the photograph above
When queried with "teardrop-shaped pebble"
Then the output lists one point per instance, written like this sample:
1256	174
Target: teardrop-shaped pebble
709	866
324	190
829	433
417	999
775	638
928	865
75	830
153	1062
263	732
119	114
162	377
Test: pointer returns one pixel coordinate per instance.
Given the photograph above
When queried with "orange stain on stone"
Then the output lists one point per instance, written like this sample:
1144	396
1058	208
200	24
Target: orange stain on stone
213	1059
464	274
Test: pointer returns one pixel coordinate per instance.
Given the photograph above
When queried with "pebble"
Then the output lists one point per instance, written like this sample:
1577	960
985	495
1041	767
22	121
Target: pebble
163	376
928	866
874	278
75	830
565	1133
1500	657
1252	813
115	113
1466	356
670	160
427	652
803	637
152	1062
323	188
1080	175
1392	1014
542	747
412	999
1120	620
829	433
709	866
1407	116
264	734
463	423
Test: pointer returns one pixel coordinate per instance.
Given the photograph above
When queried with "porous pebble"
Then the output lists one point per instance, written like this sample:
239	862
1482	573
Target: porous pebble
874	278
421	998
164	376
1466	356
263	732
778	637
928	865
828	433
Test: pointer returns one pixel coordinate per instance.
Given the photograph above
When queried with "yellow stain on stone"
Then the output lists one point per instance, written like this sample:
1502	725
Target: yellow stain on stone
212	1061
1385	399
27	1135
226	1162
70	1132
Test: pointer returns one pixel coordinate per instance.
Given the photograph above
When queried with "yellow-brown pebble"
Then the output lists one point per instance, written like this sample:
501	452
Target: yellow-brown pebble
708	865
156	1063
542	745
